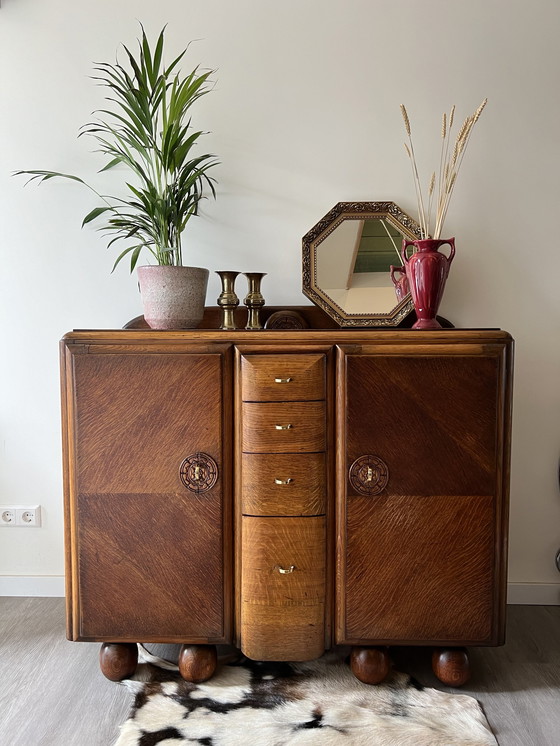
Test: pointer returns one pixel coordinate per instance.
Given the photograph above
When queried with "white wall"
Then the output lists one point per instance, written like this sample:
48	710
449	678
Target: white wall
305	113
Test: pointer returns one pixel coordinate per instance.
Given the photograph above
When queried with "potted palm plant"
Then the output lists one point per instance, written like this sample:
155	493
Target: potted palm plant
147	129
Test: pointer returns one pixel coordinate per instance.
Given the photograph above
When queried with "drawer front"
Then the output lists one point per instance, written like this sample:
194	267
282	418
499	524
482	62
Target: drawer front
283	588
283	484
283	377
283	427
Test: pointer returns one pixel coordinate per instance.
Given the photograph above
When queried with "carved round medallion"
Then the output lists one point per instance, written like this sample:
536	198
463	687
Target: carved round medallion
286	320
369	475
199	472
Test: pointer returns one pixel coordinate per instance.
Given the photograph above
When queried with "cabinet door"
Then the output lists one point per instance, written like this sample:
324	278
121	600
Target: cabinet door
147	555
422	556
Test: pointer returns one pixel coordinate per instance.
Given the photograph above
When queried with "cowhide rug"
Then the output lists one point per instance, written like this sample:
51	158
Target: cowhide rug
295	704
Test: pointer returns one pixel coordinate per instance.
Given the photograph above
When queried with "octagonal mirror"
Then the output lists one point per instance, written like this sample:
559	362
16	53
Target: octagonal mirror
352	267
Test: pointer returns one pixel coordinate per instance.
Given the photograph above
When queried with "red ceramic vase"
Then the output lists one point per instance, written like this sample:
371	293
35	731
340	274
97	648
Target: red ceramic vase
400	283
427	270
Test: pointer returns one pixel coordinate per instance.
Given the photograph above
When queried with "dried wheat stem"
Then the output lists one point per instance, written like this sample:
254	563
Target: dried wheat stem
462	141
417	187
451	116
406	119
446	207
445	131
431	188
444	174
467	134
421	210
449	167
478	112
392	240
432	184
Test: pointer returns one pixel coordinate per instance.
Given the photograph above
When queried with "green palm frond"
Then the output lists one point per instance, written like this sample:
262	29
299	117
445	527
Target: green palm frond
146	128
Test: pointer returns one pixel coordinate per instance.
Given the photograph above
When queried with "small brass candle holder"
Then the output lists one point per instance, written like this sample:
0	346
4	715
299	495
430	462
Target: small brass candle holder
254	299
228	300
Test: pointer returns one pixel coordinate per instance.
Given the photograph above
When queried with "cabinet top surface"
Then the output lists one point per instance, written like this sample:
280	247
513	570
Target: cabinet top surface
322	336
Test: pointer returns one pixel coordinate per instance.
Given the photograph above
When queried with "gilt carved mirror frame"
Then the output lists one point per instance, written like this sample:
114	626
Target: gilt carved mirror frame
396	224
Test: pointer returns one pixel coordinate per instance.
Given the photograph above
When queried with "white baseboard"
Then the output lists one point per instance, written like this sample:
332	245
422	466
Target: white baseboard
534	594
31	585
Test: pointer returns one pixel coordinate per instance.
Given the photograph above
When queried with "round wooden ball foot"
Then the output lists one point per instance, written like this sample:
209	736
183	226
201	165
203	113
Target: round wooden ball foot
370	665
197	663
118	660
451	666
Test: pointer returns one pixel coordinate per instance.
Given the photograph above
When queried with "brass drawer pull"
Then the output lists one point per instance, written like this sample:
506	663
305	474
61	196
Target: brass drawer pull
283	427
286	571
283	380
283	481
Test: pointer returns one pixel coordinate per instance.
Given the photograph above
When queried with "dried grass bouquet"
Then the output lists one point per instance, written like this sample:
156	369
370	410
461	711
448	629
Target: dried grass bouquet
449	165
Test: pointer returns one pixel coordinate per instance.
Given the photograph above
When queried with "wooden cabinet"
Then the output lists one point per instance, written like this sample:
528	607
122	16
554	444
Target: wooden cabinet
286	492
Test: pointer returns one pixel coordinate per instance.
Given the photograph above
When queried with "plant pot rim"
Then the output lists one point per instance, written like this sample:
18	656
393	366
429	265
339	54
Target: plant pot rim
171	266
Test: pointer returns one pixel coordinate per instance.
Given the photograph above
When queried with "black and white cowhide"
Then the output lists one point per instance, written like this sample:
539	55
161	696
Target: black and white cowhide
295	704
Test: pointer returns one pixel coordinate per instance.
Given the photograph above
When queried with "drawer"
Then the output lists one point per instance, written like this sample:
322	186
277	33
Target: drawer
282	377
283	588
283	427
283	633
283	484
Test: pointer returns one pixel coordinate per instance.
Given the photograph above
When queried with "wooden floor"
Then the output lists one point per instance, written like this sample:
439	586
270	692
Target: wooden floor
52	693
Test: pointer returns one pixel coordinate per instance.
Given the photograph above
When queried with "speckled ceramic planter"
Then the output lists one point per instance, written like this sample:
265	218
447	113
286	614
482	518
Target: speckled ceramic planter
173	297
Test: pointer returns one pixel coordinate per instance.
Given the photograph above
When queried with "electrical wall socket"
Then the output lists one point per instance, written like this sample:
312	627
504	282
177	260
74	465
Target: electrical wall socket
20	515
7	516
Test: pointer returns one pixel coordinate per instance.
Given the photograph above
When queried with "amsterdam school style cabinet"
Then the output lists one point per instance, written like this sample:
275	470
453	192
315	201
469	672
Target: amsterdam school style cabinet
285	492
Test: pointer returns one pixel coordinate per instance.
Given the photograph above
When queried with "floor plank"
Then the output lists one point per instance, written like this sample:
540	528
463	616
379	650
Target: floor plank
53	694
518	685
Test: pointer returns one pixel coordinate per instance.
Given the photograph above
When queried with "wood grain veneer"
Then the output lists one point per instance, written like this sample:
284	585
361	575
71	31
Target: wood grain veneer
282	615
431	546
419	569
138	537
305	493
283	377
432	419
304	423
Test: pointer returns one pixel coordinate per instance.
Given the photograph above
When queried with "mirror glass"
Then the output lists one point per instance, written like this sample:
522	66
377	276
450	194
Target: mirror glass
347	260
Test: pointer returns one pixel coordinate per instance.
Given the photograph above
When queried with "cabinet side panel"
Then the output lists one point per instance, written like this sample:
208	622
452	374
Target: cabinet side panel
66	399
148	552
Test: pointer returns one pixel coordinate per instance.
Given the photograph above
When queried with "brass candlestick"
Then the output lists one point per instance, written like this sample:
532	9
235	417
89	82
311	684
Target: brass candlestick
228	300
254	299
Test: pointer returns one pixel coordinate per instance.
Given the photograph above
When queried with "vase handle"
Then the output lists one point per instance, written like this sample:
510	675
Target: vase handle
394	270
451	243
405	245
